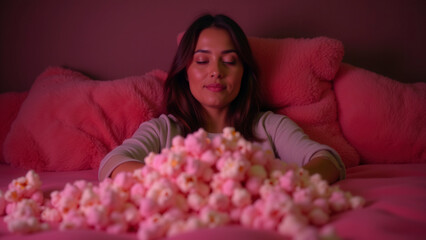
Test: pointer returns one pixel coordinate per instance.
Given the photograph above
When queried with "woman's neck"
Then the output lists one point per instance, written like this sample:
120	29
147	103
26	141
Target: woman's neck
215	120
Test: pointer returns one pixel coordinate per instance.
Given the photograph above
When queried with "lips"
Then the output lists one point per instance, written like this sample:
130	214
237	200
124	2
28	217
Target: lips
215	87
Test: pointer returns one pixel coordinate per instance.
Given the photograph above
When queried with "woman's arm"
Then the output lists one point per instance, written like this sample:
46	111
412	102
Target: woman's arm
322	163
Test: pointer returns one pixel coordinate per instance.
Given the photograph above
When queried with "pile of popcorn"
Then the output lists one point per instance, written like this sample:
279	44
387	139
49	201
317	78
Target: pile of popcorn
197	183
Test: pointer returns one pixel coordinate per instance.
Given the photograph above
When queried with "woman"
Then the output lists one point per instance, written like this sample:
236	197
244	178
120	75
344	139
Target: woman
212	84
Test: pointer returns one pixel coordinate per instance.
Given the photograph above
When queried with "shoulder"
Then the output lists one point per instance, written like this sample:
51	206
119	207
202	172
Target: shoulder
165	124
270	119
164	120
271	124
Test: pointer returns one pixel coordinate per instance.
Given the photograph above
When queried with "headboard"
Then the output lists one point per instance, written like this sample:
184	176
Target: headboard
113	39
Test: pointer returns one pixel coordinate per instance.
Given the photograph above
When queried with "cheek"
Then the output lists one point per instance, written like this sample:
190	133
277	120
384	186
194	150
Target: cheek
195	74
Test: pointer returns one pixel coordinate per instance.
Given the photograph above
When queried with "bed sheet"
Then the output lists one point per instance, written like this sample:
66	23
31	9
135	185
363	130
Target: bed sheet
395	206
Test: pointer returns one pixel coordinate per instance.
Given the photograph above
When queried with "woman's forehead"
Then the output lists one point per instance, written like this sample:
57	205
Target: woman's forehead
215	39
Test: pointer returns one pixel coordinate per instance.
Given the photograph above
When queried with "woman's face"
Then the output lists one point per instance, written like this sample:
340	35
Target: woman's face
215	72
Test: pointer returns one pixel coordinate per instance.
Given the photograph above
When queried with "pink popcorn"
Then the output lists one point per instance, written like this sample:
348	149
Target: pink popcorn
26	225
51	215
276	205
131	214
209	157
253	185
149	159
65	203
265	223
181	202
303	197
289	181
73	219
213	218
207	175
124	180
308	233
229	186
195	201
269	186
218	201
338	201
322	204
262	157
248	215
235	214
177	227
38	197
166	198
318	217
241	197
96	216
186	182
234	168
118	223
146	175
148	207
158	161
173	165
245	147
292	225
193	223
328	232
72	191
194	167
173	214
112	197
153	227
196	183
162	191
89	197
257	171
25	217
356	202
23	187
137	192
230	134
197	142
178	142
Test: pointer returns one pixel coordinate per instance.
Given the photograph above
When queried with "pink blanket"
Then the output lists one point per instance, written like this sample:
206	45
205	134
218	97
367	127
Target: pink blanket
395	208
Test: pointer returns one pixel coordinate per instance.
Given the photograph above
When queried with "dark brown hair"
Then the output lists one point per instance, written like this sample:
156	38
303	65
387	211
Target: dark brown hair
244	109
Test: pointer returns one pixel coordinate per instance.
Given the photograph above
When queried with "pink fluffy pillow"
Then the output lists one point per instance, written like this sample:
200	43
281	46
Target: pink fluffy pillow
296	78
9	106
291	70
69	122
384	119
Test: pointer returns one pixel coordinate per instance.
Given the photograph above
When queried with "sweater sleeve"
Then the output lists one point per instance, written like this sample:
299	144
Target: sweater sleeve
290	144
151	136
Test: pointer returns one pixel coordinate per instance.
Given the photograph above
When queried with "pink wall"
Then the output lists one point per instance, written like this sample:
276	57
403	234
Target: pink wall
109	39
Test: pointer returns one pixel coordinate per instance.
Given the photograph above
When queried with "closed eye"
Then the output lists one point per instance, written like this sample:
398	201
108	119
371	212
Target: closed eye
230	62
202	62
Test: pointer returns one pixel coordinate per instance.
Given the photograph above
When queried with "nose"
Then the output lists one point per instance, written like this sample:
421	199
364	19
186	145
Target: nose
217	70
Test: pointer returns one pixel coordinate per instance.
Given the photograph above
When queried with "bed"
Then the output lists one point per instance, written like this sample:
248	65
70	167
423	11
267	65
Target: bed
66	123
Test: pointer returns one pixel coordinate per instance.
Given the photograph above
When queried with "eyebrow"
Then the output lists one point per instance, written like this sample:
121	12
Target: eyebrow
208	51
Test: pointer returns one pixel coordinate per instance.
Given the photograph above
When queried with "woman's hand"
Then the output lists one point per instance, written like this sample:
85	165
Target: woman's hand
322	164
126	167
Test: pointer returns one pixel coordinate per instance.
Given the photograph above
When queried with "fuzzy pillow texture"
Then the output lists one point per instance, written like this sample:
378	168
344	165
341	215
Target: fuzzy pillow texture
9	106
296	79
384	119
70	122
